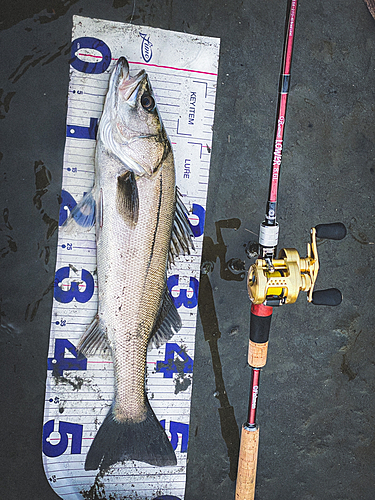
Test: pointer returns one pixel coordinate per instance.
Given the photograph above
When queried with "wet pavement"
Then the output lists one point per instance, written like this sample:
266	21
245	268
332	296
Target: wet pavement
317	393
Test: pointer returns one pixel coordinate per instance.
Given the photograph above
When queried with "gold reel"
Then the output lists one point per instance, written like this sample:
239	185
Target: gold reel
290	275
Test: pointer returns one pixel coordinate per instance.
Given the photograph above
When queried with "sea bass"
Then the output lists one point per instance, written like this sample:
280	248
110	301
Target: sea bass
141	226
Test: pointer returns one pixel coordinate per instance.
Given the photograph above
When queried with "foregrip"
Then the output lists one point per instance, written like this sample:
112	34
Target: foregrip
260	323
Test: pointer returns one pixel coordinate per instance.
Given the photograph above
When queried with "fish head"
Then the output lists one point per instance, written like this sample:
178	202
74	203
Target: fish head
131	127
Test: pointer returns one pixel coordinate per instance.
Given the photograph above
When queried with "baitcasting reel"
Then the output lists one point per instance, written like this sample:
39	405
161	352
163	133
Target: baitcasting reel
278	281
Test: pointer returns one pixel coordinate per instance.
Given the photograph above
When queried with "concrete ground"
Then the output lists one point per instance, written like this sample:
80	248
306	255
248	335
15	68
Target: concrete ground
317	392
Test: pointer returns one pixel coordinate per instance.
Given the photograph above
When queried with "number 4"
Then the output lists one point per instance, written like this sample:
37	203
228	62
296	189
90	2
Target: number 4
170	365
59	362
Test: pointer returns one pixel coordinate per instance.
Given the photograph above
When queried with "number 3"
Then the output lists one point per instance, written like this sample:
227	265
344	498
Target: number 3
66	296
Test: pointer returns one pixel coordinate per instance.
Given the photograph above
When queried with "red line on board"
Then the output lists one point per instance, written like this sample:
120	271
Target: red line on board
91	55
155	65
171	67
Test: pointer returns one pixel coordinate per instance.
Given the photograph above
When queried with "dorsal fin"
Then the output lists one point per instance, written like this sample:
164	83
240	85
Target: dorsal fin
127	201
182	234
167	323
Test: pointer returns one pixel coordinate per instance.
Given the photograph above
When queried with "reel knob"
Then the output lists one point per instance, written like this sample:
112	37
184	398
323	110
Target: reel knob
329	297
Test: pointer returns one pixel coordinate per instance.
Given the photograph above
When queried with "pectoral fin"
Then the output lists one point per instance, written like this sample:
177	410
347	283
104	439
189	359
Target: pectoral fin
127	201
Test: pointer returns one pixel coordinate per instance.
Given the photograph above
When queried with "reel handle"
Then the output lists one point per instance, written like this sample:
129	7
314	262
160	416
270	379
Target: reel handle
329	297
333	231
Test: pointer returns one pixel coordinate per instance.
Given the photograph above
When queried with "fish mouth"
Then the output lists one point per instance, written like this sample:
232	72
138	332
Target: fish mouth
124	83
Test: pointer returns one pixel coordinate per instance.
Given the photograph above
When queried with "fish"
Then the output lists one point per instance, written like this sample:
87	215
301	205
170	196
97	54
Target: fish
141	227
371	7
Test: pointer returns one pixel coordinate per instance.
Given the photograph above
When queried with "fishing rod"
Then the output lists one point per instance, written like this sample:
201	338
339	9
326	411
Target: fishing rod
274	281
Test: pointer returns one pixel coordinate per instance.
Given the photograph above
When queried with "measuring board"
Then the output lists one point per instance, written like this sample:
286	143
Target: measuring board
183	72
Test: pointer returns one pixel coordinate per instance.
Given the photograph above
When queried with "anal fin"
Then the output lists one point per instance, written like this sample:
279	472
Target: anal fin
167	323
94	341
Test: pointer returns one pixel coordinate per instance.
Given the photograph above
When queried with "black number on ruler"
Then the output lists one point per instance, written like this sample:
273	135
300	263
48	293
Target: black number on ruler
65	429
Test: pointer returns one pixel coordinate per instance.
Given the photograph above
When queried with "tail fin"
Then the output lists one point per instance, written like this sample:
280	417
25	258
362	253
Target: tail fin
115	442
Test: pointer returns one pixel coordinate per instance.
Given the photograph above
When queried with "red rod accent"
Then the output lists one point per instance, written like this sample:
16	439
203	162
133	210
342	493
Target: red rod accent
261	310
289	49
285	75
278	149
254	389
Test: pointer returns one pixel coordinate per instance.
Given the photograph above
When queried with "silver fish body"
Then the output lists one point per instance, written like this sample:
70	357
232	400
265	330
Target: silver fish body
131	277
140	227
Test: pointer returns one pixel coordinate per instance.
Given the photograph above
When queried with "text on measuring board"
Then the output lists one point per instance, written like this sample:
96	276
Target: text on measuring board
192	105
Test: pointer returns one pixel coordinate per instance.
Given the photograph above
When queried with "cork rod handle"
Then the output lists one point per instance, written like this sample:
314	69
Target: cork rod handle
247	463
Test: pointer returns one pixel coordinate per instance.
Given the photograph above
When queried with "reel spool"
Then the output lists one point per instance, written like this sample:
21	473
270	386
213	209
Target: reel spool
289	274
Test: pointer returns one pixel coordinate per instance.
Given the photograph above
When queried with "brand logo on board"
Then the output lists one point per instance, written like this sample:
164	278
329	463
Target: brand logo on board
146	47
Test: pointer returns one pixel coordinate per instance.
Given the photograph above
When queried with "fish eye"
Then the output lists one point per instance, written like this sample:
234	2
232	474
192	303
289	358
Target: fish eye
148	102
